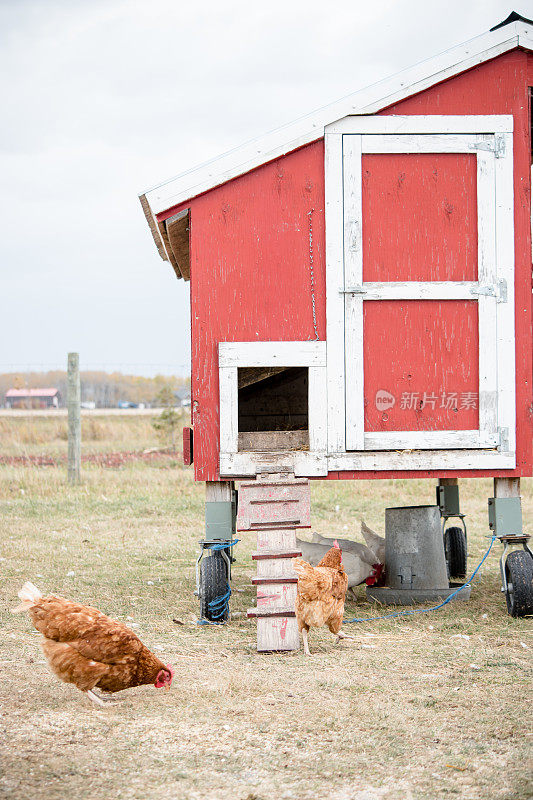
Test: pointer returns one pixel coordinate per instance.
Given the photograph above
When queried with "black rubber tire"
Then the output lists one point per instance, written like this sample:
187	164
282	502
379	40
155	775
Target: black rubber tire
519	576
455	552
213	584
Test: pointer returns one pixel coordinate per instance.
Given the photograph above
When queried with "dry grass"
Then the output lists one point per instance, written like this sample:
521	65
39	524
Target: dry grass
410	709
47	435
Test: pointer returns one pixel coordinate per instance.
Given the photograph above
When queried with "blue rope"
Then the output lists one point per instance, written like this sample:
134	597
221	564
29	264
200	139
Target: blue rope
220	545
219	607
426	610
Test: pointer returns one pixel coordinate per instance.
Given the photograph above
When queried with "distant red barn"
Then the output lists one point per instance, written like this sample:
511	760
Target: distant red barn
33	398
361	279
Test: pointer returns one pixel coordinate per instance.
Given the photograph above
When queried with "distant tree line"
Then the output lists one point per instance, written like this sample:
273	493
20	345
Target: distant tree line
105	389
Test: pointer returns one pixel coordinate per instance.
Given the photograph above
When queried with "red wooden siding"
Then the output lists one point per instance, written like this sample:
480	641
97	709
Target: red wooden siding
420	224
419	217
427	357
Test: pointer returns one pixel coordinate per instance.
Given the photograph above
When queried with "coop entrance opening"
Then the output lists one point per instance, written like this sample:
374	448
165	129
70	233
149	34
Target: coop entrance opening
273	408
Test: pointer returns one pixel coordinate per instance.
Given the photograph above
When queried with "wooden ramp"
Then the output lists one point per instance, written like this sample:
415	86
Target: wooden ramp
275	507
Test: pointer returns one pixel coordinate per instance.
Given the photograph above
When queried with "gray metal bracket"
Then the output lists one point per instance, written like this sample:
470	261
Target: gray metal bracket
220	520
505	516
448	501
449	507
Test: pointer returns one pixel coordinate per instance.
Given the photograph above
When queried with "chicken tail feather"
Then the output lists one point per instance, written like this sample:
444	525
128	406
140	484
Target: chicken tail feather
30	595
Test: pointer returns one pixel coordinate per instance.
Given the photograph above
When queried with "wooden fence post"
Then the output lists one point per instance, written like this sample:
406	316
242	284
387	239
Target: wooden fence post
74	417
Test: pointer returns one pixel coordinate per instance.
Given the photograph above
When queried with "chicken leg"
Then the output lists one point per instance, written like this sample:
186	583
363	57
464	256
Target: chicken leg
341	635
100	701
307	652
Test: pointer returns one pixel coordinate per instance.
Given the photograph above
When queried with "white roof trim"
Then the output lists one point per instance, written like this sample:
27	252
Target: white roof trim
366	101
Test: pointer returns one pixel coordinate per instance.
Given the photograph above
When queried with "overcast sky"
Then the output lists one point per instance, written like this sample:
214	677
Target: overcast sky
102	100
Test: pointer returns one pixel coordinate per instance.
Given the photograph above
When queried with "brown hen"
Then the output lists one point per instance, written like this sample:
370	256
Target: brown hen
320	595
90	650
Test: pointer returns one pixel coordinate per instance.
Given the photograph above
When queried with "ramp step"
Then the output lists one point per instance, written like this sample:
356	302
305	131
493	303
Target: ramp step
253	613
266	554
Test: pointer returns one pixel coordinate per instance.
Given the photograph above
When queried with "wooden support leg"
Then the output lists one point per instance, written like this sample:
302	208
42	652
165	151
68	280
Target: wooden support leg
506	487
218	491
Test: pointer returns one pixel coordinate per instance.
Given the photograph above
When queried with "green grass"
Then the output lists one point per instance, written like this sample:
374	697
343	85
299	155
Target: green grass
407	710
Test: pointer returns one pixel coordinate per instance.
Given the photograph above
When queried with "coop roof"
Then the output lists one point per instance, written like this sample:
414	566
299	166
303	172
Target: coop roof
32	392
171	235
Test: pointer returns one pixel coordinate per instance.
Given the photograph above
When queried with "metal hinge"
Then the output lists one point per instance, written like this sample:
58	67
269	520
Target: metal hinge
490	143
485	142
499	145
499	291
352	290
503	434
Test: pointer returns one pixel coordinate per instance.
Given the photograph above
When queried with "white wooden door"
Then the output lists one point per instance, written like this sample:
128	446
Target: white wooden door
424	285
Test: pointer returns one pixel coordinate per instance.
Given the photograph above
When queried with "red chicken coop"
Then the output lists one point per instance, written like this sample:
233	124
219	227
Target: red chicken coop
360	289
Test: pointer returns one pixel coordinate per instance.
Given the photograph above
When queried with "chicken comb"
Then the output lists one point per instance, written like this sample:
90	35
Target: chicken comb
336	544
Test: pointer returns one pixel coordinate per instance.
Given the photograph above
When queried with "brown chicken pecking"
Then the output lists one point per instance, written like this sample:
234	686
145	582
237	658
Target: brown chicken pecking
88	649
320	594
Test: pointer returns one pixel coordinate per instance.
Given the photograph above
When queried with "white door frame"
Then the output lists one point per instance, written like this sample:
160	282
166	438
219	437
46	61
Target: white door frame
490	139
231	356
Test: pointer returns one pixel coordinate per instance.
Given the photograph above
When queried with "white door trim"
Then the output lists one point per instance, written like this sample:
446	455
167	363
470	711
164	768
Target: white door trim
231	356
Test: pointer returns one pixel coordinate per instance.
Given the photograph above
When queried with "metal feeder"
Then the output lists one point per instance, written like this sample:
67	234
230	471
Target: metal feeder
415	563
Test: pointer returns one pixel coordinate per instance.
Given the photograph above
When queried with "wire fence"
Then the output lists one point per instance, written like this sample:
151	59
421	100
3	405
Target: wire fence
148	369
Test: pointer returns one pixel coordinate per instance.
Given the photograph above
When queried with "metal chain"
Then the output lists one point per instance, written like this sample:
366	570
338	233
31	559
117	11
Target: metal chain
311	269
